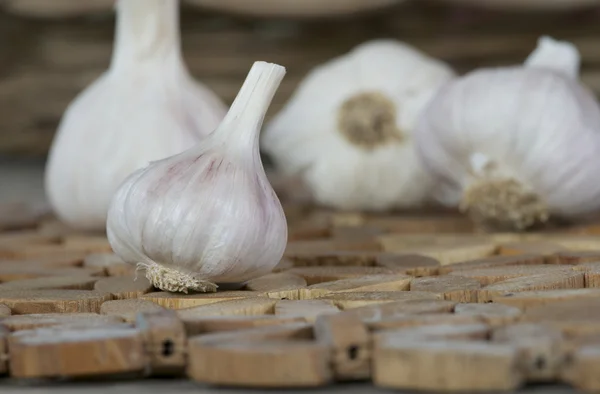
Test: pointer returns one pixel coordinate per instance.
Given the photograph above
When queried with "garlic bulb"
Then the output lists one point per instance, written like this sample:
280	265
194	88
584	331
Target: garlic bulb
207	215
347	130
515	145
145	107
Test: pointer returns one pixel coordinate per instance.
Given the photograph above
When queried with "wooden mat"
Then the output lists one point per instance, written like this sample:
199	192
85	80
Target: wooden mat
406	301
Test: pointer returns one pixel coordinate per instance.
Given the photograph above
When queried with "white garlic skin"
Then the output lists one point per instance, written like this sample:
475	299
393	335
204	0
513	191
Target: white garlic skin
210	211
145	107
540	126
304	138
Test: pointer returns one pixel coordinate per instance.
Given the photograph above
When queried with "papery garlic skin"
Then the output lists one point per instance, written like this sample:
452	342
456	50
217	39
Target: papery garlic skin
515	145
207	215
347	130
145	107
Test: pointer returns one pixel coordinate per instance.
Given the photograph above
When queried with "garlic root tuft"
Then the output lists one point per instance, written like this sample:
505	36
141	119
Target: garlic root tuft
368	120
503	203
173	280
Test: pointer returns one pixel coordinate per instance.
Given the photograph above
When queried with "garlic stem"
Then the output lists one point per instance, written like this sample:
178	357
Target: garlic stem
241	126
147	32
555	55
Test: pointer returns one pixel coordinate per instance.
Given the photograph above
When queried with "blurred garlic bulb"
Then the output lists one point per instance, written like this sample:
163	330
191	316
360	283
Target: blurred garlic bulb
145	107
347	130
515	145
209	214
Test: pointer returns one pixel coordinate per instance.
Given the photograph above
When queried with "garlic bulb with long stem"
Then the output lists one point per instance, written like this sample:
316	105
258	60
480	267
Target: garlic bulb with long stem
207	215
145	107
347	130
515	145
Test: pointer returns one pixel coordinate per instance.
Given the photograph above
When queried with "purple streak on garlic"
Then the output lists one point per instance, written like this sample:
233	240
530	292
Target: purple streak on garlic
514	145
145	107
207	215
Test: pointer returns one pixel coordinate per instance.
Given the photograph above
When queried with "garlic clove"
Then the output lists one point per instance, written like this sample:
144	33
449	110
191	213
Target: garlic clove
347	130
207	215
514	146
145	107
556	55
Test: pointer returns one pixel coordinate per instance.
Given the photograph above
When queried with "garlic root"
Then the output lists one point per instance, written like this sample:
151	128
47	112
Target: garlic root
175	280
503	203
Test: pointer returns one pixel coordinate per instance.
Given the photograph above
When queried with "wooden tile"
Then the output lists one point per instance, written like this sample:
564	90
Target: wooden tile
362	233
410	264
36	251
331	245
492	314
309	310
349	341
422	224
165	341
549	281
473	331
60	352
493	262
4	311
409	320
314	275
180	301
17	216
3	350
87	243
40	320
128	309
124	287
196	325
575	257
540	348
576	242
489	276
19	271
540	247
355	300
453	288
298	331
308	229
240	307
591	273
10	240
52	282
64	259
273	364
577	317
276	281
110	263
436	365
52	301
333	258
376	312
528	299
450	254
284	265
363	284
582	370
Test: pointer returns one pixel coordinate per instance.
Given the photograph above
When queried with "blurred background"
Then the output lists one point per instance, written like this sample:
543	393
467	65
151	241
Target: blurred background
52	49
